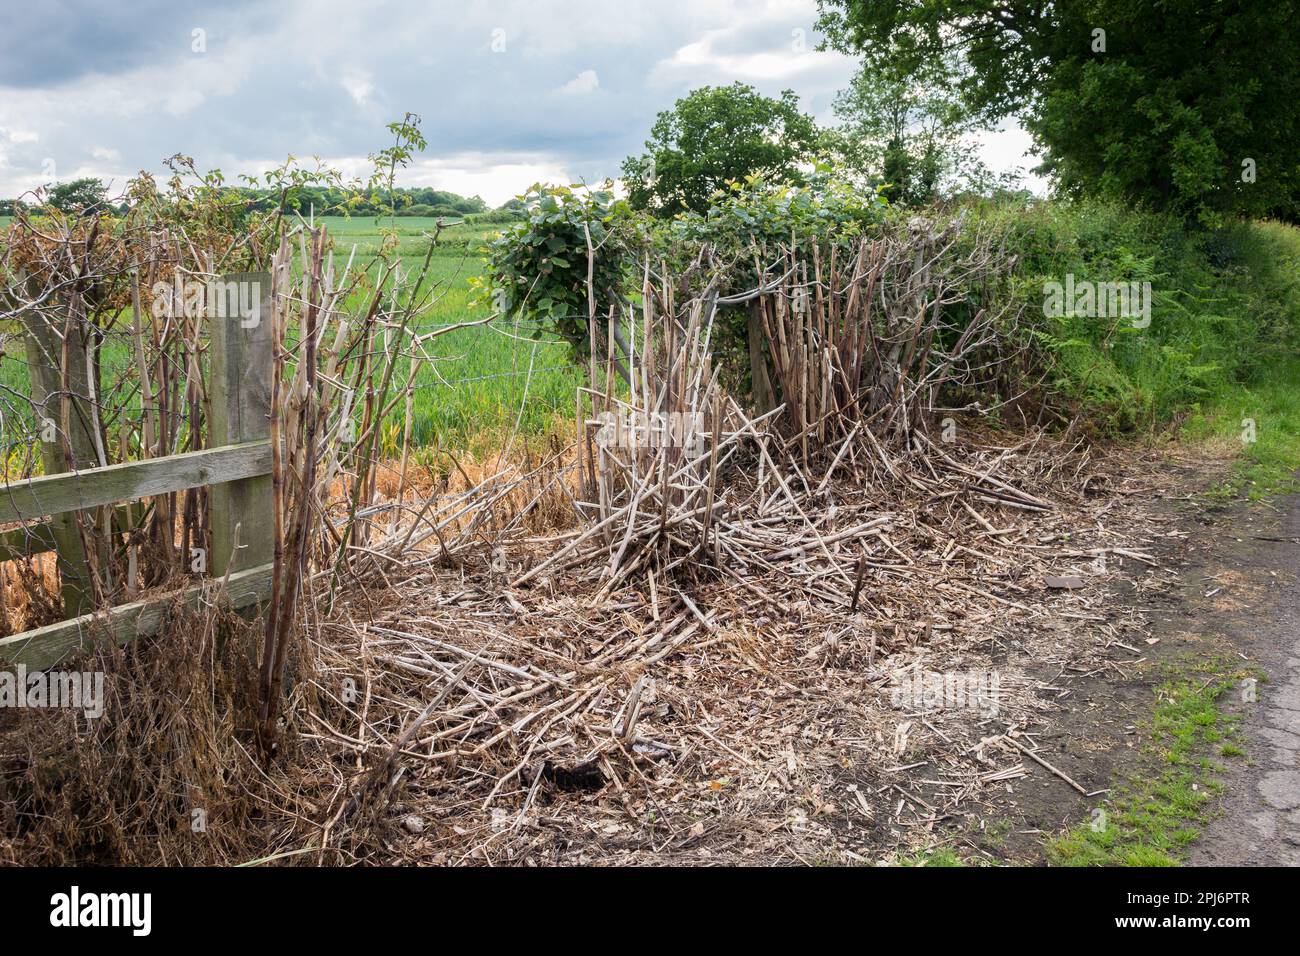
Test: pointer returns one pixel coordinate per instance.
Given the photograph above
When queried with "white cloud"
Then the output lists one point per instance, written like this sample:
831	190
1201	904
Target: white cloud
183	101
585	82
495	178
785	61
359	85
771	44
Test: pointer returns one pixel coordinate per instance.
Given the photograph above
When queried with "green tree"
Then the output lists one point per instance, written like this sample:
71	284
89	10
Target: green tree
715	135
1191	106
905	131
77	196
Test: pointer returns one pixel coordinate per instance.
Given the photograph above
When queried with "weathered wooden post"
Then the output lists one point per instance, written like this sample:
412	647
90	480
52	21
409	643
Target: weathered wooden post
67	440
240	342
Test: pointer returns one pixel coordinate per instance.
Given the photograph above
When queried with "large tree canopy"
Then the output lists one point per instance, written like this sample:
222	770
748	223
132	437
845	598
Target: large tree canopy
714	135
1187	105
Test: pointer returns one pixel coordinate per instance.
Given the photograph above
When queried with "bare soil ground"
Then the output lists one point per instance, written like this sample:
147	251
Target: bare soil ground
1228	590
1252	569
1222	576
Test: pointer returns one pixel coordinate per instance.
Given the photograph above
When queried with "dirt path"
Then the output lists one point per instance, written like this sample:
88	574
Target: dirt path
1226	595
1259	823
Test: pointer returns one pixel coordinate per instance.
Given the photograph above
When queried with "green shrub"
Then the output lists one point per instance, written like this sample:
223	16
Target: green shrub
538	266
755	218
1221	304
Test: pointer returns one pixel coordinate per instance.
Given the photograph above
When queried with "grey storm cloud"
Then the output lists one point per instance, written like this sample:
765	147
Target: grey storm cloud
49	43
530	87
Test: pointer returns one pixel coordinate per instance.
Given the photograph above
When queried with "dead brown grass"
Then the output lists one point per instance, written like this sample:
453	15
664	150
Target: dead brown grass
165	776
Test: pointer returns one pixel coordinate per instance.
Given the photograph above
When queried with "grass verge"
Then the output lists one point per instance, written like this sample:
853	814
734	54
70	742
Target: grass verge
1262	418
1152	818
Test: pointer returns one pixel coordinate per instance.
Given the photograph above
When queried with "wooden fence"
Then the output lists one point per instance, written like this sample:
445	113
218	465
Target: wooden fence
237	467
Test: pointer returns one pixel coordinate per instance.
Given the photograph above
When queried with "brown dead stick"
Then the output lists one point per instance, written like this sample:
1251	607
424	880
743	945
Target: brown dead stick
1039	760
376	778
857	586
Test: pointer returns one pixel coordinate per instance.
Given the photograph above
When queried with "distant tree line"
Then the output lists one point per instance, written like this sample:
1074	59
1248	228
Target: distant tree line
82	194
416	201
68	197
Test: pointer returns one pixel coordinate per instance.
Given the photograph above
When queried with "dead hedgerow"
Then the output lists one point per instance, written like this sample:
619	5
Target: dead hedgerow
695	633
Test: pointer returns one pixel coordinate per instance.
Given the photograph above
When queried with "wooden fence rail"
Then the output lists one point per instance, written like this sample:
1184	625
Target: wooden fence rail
48	646
237	469
77	491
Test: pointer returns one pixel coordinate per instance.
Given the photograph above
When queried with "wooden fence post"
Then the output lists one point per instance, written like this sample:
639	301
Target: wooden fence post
240	341
45	356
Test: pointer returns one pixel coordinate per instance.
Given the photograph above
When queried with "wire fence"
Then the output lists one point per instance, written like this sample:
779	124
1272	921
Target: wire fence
115	356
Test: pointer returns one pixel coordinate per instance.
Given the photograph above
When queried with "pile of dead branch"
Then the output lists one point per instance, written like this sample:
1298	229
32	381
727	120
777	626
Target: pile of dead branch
879	343
716	628
499	711
681	480
736	579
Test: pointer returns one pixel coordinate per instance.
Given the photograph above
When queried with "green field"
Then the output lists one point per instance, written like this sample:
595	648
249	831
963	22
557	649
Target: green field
480	381
486	369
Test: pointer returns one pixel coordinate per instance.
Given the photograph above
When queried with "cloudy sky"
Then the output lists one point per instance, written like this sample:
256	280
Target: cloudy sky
510	91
